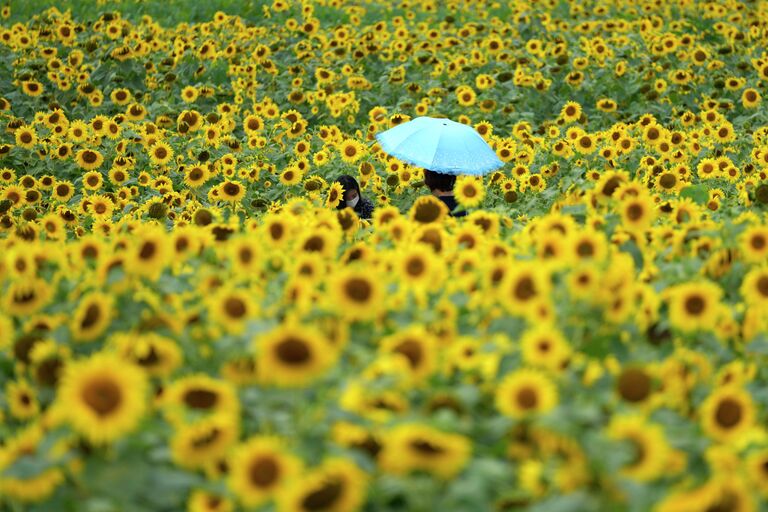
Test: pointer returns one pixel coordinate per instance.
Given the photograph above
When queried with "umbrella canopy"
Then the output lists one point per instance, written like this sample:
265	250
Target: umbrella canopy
440	145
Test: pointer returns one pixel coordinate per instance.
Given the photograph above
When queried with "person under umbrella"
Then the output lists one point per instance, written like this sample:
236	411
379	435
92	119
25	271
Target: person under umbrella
441	186
352	197
444	149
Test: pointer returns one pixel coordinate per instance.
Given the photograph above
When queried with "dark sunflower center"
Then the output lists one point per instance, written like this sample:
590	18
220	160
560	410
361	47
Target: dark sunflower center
424	447
668	180
231	189
695	305
263	472
527	398
148	249
103	396
427	212
92	316
415	267
325	497
634	385
635	212
200	398
358	289
728	413
762	286
235	307
525	289
293	351
412	351
206	439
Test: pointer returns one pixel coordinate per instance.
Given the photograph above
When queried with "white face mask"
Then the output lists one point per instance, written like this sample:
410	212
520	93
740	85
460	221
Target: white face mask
353	202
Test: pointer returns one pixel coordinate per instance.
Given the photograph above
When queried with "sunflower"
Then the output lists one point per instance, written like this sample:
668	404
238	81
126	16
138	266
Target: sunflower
335	195
32	88
231	191
357	293
36	485
197	445
245	255
693	305
428	209
525	286
78	131
197	396
291	175
189	94
196	176
757	468
277	229
651	451
148	253
231	308
92	316
750	98
157	355
102	397
205	501
754	244
92	180
570	112
466	96
727	413
545	347
637	212
26	297
351	150
160	153
293	355
22	400
26	137
469	191
412	447
338	485
754	287
524	393
416	347
417	267
89	159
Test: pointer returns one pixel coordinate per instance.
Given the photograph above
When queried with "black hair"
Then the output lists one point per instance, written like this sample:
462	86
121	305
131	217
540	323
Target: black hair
439	181
347	183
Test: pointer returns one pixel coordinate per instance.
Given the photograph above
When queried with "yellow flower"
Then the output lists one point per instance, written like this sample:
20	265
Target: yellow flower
92	316
727	414
260	467
411	447
337	485
693	305
469	191
651	452
293	356
102	397
525	393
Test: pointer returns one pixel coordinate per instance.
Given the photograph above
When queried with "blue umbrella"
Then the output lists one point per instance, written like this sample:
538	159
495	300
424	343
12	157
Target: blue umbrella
440	145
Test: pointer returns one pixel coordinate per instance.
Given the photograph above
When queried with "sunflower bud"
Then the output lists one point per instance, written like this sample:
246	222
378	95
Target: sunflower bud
158	210
761	193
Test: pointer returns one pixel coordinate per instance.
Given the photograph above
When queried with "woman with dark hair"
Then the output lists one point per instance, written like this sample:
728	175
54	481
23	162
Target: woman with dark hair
353	198
441	186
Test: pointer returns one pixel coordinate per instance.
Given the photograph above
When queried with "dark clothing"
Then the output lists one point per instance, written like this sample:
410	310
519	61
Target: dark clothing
364	208
451	203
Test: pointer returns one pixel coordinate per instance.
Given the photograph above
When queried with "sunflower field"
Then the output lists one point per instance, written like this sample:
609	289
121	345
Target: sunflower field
188	322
